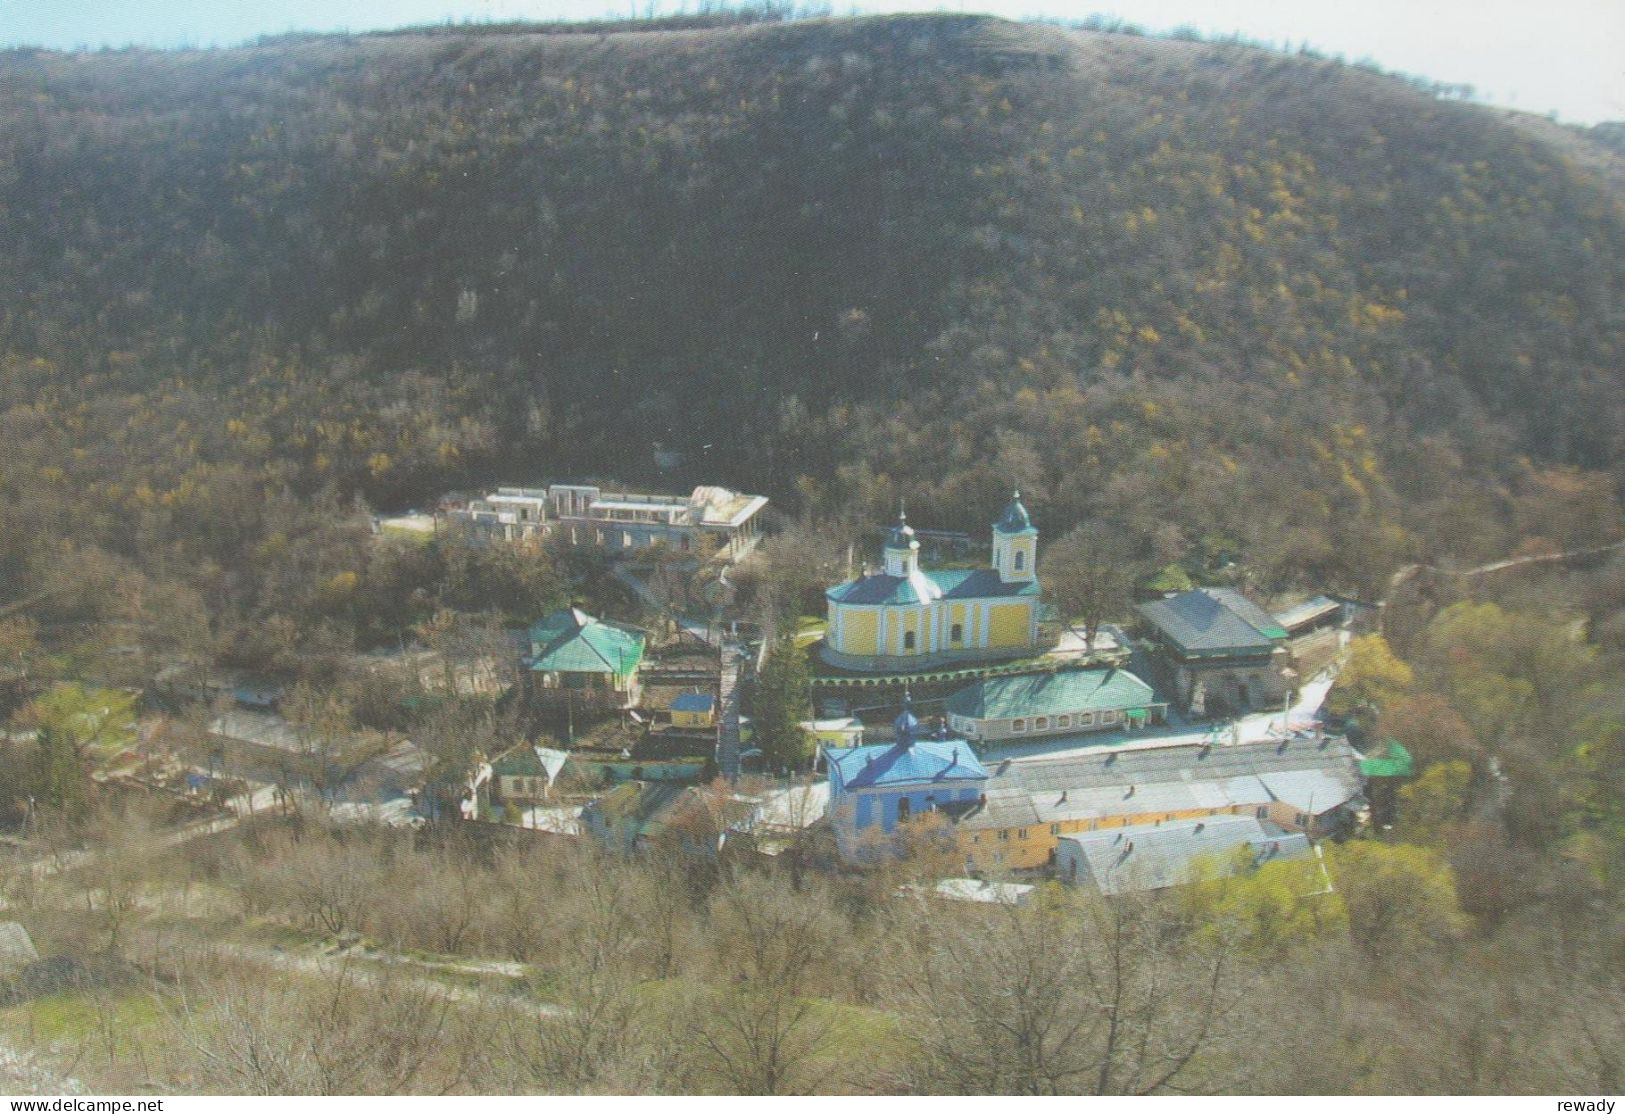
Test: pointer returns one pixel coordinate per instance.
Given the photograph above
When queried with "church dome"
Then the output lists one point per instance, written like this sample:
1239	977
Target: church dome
1014	520
906	723
901	536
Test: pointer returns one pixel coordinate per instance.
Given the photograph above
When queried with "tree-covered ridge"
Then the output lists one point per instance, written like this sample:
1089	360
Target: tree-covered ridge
1190	290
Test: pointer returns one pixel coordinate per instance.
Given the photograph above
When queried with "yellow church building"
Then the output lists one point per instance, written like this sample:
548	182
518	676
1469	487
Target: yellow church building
905	617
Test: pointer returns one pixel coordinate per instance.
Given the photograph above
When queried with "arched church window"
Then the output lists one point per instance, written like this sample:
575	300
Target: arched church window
1021	559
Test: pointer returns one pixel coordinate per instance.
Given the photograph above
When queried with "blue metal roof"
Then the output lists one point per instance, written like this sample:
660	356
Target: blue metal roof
693	702
922	762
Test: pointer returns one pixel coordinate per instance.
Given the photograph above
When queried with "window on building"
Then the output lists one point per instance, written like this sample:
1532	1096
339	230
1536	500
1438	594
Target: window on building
1041	723
1018	725
1108	717
1021	834
1021	559
976	839
1303	819
1055	829
956	633
1063	721
908	640
1087	719
1262	811
1004	833
902	808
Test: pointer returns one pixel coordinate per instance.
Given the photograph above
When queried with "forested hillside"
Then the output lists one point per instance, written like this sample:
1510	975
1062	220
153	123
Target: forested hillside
1194	291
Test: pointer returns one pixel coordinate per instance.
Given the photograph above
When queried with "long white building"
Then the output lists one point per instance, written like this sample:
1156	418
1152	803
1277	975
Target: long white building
709	518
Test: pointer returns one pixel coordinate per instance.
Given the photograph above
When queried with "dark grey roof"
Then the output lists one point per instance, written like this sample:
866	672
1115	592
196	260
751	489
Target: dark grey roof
1014	520
875	588
955	584
1213	620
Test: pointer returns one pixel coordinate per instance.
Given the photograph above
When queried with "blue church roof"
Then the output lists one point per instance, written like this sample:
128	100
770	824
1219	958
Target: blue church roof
922	762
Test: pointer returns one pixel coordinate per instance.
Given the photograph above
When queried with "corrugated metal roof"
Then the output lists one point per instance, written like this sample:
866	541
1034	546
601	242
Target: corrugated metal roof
1213	619
1170	779
1153	857
1312	791
1041	694
1306	611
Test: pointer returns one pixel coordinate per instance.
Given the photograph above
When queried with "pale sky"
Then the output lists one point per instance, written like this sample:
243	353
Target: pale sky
1562	56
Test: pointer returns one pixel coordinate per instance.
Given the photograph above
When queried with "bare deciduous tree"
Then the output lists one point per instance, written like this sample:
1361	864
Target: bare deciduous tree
1070	996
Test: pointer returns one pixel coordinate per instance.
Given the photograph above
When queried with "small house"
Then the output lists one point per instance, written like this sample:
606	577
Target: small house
834	734
694	710
525	774
590	662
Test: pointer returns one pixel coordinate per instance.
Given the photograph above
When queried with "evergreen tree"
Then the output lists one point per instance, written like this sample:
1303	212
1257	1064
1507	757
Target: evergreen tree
74	726
783	701
59	779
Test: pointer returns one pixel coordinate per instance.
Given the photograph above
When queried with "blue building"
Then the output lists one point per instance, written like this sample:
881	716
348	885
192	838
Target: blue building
875	789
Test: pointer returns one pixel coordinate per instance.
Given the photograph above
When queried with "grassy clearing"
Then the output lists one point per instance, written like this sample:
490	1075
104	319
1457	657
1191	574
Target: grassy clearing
108	1019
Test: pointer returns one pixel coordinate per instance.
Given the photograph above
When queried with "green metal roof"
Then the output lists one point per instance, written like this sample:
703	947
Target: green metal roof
571	641
1059	693
520	762
1394	761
